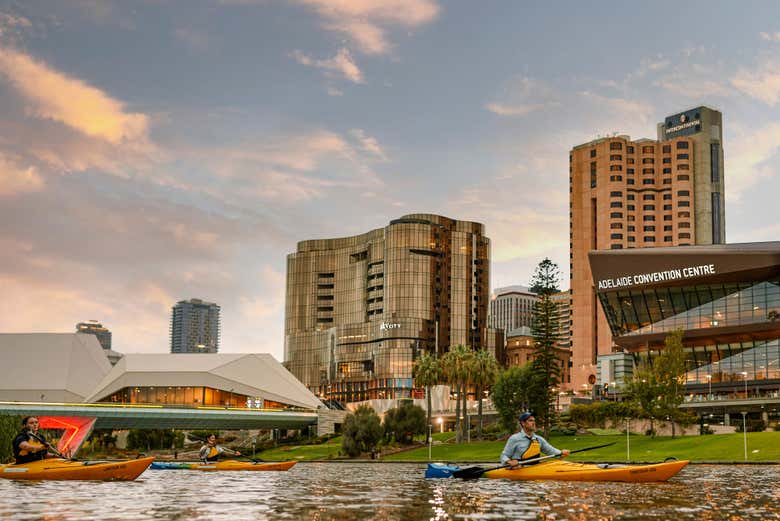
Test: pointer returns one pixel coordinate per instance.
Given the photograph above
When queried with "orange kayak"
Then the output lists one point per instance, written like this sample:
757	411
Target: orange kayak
243	465
61	469
569	471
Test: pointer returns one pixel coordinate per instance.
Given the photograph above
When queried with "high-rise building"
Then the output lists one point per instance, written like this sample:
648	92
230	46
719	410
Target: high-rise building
511	308
562	301
93	327
639	194
360	309
195	327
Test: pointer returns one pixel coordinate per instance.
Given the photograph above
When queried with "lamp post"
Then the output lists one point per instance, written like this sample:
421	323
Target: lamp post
744	376
709	384
441	424
430	440
744	432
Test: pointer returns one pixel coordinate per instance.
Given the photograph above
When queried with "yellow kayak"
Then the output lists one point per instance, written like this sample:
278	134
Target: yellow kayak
243	465
62	469
569	471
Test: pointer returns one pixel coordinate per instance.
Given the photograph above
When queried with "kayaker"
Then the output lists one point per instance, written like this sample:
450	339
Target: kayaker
29	445
211	451
526	444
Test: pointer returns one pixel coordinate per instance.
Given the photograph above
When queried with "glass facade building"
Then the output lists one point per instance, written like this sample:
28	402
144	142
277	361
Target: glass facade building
725	299
195	327
360	309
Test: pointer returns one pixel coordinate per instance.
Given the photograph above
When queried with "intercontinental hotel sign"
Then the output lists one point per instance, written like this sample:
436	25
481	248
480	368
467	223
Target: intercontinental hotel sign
639	279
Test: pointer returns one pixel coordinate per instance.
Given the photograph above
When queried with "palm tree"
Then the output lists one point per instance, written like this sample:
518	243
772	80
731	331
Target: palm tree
485	373
427	373
455	371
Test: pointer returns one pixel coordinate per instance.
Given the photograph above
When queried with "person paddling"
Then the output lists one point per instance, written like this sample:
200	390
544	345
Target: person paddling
527	445
29	445
211	451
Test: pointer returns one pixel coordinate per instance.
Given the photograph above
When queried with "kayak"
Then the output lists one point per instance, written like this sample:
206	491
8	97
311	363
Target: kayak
61	469
226	465
569	471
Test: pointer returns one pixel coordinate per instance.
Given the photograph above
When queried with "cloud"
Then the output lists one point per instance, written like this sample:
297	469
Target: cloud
749	158
342	63
762	84
770	37
522	96
15	180
56	96
368	143
363	20
195	40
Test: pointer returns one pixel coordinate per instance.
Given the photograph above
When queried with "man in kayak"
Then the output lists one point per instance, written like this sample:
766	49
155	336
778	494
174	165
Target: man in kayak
526	445
29	445
211	451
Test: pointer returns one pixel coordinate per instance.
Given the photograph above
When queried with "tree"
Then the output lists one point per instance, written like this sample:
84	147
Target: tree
545	366
643	391
361	431
485	371
455	365
670	374
427	373
511	394
9	428
403	422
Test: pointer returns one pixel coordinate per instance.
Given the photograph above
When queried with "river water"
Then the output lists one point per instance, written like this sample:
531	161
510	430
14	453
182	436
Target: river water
376	491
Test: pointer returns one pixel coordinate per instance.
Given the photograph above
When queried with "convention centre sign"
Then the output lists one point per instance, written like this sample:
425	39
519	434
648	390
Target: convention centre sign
653	277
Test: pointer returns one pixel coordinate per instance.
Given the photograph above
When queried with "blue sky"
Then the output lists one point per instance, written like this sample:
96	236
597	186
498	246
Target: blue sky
154	151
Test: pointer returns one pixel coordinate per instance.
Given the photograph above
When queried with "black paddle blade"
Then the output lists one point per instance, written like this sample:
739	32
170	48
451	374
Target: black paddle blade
469	473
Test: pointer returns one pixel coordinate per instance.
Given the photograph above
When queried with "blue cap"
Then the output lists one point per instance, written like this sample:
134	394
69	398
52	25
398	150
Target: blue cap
524	416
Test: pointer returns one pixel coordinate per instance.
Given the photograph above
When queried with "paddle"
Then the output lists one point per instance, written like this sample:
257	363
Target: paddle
475	472
50	447
246	458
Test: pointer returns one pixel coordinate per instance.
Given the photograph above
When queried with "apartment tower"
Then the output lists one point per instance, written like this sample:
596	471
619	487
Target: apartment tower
195	327
639	194
359	310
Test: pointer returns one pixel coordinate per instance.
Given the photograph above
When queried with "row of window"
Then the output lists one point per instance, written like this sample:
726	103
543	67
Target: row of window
650	238
651	197
646	149
647	228
646	171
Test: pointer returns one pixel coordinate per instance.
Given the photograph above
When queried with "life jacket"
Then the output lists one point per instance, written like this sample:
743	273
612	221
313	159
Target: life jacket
208	453
532	452
24	456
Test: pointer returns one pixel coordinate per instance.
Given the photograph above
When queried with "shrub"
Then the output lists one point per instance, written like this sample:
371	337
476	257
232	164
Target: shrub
361	432
403	422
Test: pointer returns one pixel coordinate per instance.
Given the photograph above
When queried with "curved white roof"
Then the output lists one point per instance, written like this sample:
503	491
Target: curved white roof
252	374
51	367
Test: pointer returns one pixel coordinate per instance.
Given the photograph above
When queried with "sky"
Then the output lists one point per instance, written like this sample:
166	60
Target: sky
157	151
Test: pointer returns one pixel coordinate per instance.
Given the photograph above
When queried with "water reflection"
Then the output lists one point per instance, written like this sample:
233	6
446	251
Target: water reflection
354	491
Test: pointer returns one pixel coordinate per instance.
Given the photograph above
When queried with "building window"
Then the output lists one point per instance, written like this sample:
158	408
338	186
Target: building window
630	171
683	215
715	162
630	149
667	207
648	197
631	227
668	217
683	177
616	226
648	160
648	181
631	238
616	247
682	144
616	145
650	228
667	160
629	181
616	194
615	168
684	225
616	236
667	227
648	149
667	171
682	204
682	156
592	152
649	238
630	218
667	197
630	197
616	204
667	149
648	217
683	235
668	181
616	215
630	160
630	207
615	157
683	193
667	238
683	167
593	174
616	178
648	208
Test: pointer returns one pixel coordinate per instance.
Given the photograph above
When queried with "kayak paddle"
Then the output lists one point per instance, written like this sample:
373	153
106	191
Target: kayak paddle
475	472
49	446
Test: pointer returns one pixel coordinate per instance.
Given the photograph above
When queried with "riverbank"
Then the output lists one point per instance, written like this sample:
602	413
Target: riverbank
762	447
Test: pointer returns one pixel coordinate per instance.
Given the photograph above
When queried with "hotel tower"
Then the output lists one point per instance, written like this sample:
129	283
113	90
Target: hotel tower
639	194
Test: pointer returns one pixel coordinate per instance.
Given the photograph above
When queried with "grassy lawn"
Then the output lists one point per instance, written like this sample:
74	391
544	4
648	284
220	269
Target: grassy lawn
762	446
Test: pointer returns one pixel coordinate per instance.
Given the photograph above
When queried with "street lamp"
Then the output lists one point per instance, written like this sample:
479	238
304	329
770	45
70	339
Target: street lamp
441	424
744	432
709	383
744	376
